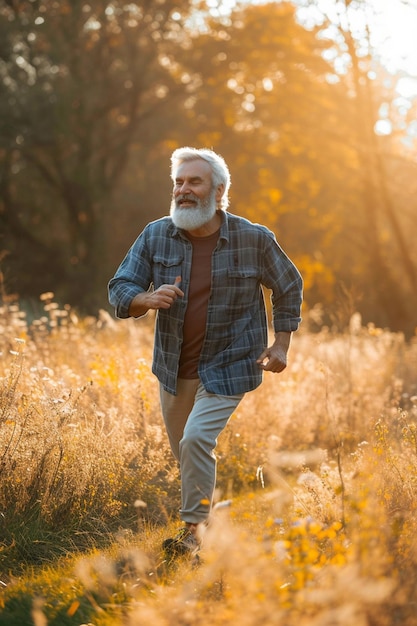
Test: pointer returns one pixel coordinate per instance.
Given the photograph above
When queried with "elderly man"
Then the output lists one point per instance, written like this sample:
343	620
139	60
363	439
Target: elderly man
202	268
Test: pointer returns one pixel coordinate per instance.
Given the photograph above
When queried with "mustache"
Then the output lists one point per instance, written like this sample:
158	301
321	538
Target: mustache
186	196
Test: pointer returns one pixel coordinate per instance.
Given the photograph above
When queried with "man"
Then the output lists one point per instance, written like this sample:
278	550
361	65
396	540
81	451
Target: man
202	269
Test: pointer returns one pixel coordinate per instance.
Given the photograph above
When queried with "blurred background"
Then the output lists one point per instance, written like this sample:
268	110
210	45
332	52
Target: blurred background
312	103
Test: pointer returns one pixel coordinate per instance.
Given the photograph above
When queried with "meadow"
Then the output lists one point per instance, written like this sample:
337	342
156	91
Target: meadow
317	480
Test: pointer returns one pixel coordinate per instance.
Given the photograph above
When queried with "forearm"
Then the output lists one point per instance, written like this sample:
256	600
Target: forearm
122	292
161	298
281	346
283	340
139	305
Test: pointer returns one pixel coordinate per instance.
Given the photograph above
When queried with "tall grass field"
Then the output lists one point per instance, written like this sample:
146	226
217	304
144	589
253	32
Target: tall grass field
315	521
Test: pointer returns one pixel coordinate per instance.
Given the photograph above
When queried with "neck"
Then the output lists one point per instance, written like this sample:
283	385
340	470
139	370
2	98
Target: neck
208	229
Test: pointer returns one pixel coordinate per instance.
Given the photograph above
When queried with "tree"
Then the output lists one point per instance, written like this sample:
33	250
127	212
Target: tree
266	100
79	83
95	97
384	244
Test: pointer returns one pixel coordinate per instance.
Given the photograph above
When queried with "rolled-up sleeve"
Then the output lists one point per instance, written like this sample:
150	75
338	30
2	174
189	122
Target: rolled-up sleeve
132	277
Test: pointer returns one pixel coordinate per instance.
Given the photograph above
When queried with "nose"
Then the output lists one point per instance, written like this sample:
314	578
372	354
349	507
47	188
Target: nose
182	188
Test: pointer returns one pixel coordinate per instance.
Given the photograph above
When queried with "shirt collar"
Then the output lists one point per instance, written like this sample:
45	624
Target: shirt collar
224	228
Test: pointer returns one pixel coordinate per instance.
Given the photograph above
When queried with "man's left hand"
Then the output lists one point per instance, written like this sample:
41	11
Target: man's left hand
274	358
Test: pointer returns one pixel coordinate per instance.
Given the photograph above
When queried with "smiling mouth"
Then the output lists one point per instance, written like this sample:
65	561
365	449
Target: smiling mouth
186	201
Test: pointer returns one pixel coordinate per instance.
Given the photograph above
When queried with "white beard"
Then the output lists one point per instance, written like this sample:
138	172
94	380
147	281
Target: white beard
192	218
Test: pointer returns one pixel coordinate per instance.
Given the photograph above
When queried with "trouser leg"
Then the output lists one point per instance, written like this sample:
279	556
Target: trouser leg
176	409
194	435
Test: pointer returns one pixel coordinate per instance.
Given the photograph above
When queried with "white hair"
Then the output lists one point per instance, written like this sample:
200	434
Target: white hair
219	169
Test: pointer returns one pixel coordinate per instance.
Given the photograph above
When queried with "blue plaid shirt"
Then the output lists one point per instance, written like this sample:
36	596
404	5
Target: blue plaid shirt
247	256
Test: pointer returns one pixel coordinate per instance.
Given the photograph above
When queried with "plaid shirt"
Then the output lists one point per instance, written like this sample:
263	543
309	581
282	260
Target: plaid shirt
246	256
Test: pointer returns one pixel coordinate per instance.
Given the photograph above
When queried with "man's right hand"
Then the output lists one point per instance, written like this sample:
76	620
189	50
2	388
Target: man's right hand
161	298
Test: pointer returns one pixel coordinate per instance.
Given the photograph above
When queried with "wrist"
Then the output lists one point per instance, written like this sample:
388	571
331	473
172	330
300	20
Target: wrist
139	305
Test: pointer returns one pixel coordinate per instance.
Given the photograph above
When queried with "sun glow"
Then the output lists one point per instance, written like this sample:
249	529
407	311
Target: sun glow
394	28
389	26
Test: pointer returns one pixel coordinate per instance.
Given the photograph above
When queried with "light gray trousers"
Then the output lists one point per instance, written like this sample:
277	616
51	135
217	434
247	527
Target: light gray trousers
193	420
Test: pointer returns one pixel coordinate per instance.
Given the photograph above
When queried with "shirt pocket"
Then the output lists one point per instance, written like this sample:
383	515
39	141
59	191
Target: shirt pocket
243	285
166	270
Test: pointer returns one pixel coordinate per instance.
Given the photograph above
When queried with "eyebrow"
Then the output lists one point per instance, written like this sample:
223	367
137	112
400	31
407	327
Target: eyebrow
192	179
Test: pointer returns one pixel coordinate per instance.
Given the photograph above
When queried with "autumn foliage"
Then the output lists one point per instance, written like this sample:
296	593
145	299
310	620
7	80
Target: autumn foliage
94	97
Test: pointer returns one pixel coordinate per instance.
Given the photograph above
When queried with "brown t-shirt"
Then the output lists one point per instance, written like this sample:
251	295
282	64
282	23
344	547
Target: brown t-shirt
195	319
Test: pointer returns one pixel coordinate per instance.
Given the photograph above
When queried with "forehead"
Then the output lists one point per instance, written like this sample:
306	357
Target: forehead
197	168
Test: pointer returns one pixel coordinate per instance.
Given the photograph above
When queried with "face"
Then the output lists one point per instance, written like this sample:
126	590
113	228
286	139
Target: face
194	201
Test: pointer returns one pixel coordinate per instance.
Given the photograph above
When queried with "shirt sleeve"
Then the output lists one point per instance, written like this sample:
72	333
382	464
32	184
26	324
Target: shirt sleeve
285	281
132	277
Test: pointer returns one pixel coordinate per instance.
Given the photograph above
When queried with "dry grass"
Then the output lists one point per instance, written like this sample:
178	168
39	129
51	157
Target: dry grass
321	464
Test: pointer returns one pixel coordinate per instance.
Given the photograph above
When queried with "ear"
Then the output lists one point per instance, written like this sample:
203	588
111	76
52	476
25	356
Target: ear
220	192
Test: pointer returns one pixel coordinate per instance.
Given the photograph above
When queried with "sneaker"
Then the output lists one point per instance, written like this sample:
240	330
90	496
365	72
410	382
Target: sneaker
184	543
